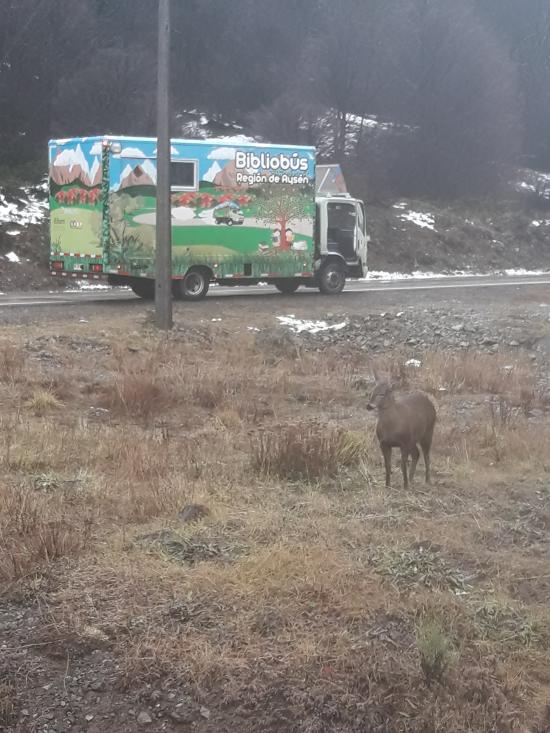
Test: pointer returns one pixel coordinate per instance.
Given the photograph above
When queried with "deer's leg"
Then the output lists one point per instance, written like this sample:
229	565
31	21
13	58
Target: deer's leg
426	445
404	460
415	453
386	451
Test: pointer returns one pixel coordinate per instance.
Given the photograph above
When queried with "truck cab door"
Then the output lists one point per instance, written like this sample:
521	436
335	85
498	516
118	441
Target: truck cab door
362	236
342	229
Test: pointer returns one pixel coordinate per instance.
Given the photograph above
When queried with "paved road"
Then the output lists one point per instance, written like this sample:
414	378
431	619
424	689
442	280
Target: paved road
43	298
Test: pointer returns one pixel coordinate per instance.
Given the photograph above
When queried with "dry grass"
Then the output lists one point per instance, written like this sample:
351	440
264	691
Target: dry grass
137	390
8	701
35	533
465	372
13	360
306	451
308	589
42	402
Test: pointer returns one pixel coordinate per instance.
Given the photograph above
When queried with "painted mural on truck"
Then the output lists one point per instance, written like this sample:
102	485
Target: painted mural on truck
240	209
75	175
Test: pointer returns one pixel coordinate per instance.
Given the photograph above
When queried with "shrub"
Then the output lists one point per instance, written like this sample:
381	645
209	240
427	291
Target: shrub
306	450
435	650
42	402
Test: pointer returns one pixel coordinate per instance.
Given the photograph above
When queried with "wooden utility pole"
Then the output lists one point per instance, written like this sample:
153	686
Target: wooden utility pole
163	255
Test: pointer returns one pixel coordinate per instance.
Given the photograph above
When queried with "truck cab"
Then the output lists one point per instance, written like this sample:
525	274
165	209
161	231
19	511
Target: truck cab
341	240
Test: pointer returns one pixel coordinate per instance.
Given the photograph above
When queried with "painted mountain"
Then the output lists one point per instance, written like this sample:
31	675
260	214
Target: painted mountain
227	177
71	165
142	174
214	170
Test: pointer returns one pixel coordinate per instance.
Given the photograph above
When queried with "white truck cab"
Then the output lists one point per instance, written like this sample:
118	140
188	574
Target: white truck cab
341	240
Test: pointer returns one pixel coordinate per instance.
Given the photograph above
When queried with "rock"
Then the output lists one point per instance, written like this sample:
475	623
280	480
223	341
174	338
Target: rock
205	712
184	712
278	342
193	512
458	327
144	718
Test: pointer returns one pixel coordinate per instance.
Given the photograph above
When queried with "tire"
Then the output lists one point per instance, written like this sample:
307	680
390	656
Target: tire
195	284
332	278
230	222
144	289
287	287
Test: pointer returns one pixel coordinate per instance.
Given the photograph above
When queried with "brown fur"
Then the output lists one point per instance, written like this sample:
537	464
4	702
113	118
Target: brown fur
405	422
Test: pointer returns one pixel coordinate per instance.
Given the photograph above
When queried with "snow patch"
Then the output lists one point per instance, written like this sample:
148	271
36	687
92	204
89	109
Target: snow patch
86	285
12	257
424	221
298	325
26	209
232	139
422	275
13	232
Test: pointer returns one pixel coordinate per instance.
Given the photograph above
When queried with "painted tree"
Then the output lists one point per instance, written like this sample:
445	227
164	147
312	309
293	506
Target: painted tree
281	205
93	195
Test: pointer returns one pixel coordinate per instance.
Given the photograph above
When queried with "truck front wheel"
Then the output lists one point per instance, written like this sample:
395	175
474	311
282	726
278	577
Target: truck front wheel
287	287
195	284
332	278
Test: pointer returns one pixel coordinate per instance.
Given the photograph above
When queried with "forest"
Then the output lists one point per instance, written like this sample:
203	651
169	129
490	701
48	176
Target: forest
422	97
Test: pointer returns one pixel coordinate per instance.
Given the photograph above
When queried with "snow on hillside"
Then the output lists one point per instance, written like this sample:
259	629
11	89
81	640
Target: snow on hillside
23	207
533	182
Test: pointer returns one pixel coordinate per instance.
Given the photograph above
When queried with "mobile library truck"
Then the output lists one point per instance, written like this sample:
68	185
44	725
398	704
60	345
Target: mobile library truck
242	213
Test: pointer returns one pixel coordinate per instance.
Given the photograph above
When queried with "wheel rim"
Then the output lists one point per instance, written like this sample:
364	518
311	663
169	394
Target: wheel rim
333	279
194	284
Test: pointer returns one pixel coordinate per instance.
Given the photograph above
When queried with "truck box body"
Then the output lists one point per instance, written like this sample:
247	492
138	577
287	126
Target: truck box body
242	210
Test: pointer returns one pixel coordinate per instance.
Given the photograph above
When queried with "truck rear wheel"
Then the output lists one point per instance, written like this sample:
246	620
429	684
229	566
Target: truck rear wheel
332	278
287	287
194	286
144	288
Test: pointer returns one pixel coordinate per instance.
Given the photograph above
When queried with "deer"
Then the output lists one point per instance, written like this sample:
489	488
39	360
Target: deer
404	421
